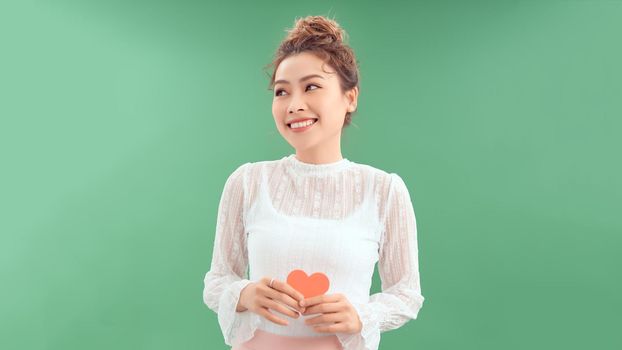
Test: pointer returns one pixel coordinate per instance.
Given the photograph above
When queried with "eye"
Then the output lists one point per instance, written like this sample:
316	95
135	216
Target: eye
279	90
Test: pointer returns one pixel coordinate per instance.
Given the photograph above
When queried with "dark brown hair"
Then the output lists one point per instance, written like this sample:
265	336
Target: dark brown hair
324	38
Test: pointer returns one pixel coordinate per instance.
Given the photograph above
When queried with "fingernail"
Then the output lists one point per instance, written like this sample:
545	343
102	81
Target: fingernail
302	303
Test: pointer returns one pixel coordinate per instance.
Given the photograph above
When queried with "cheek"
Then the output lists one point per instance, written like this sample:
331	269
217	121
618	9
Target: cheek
279	117
275	112
278	107
331	105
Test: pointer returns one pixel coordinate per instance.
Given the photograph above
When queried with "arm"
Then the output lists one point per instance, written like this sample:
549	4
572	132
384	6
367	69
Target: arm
227	275
398	267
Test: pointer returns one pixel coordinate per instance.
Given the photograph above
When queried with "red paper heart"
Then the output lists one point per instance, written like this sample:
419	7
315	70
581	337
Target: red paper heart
309	286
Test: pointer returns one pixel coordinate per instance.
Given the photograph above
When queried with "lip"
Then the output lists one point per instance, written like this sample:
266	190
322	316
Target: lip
303	129
298	120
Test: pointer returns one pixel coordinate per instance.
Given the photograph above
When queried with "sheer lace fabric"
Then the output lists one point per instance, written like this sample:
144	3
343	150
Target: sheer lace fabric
340	218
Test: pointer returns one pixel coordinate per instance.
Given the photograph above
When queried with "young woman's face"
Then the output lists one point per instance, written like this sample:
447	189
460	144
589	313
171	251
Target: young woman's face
303	89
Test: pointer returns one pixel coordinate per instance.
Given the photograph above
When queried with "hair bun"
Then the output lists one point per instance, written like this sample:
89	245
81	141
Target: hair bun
317	28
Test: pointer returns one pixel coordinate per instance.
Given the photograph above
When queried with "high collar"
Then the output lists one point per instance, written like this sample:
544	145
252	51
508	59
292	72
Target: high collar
301	168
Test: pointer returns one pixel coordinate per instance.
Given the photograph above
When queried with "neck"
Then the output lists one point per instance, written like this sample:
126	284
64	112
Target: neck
321	154
319	158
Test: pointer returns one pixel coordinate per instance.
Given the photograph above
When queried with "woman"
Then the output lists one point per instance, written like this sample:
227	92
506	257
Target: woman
313	213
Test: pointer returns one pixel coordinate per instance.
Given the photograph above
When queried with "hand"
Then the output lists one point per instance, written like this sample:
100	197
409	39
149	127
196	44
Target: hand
336	311
258	297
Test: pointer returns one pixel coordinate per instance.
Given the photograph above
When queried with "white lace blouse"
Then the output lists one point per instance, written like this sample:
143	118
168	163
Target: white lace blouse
337	218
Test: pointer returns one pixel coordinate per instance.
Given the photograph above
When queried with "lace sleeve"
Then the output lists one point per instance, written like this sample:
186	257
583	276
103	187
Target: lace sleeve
227	275
398	267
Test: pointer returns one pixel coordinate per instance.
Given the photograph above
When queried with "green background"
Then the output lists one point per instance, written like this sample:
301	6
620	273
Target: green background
121	120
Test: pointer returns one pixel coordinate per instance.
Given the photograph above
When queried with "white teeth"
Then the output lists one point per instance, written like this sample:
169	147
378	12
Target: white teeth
302	124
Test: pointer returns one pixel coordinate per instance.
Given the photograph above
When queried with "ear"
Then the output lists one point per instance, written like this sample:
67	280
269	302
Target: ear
352	96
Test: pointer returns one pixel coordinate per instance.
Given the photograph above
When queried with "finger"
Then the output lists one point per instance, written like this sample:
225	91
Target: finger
286	299
276	294
275	305
283	298
271	317
333	328
323	308
325	318
319	299
288	289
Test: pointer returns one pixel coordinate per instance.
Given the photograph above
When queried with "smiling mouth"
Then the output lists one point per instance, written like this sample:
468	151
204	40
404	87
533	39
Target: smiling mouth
314	121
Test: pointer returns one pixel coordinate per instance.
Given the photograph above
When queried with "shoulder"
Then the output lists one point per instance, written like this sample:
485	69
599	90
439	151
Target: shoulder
264	168
239	172
376	173
390	186
248	171
237	178
265	163
384	180
247	167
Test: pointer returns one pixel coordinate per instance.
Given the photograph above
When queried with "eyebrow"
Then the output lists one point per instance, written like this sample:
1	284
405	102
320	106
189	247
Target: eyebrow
301	79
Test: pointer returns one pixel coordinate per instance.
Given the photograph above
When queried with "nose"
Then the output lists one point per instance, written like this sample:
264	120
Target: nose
295	105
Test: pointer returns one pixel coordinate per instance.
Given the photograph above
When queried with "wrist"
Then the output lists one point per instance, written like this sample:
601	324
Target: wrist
240	307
